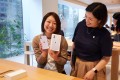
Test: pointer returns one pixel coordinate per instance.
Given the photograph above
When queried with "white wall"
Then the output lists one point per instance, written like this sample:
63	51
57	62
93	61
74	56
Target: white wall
81	14
33	10
35	17
32	17
49	6
26	19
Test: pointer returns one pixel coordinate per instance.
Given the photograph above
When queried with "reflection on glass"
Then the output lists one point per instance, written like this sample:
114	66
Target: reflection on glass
69	18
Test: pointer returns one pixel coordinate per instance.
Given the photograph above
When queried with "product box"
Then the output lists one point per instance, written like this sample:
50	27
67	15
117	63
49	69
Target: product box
44	42
55	42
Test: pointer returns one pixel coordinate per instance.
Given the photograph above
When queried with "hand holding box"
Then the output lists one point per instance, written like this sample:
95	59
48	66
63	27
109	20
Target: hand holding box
55	42
44	42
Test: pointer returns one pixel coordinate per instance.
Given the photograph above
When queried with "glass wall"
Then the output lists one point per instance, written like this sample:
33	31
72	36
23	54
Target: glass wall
11	28
69	16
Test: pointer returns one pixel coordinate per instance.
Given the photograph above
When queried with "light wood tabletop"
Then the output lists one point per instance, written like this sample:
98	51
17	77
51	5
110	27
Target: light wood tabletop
33	73
115	61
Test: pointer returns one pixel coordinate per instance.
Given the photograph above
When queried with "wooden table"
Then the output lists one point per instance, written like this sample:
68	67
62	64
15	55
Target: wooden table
115	61
34	73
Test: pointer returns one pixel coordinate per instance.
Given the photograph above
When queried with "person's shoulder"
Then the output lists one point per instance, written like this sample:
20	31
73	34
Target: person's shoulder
82	22
61	32
62	37
105	31
37	37
64	41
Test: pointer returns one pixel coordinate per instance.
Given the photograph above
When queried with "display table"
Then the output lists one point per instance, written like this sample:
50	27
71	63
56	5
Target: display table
115	61
33	73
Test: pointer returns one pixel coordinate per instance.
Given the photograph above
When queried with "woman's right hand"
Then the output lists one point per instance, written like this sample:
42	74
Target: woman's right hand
44	51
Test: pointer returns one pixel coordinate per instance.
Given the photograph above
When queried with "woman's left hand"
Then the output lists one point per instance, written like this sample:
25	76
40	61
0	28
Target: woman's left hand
89	75
54	54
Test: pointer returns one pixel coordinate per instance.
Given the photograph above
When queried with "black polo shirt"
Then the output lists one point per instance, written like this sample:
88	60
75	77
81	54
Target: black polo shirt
91	44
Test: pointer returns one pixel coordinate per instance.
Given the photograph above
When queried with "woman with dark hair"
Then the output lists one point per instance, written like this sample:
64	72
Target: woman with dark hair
46	58
92	44
116	21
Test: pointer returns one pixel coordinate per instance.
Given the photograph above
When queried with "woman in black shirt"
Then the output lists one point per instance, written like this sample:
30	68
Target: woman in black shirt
92	44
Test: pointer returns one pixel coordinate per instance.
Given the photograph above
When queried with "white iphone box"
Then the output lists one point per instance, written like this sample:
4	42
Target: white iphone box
44	42
55	42
16	75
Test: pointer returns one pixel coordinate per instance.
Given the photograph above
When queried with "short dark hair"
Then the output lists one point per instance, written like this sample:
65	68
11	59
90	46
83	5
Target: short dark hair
117	17
99	10
57	19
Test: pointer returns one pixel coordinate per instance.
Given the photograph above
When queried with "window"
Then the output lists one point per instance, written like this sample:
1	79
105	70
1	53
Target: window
69	17
11	28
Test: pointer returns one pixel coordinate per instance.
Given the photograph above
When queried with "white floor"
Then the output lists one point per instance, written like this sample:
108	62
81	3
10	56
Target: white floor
67	66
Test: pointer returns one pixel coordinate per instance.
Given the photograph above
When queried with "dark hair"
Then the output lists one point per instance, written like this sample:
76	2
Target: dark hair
117	17
58	23
99	10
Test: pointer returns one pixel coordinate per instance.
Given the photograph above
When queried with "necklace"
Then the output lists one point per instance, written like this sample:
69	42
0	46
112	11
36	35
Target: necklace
89	30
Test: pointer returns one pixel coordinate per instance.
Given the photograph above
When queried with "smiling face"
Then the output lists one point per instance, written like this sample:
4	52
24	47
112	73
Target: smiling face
50	25
91	21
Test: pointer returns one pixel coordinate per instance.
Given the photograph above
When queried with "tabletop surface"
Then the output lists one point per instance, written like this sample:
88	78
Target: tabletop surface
33	73
116	46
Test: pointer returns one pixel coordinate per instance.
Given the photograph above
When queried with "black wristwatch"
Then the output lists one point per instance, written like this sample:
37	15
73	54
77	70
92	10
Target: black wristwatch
95	70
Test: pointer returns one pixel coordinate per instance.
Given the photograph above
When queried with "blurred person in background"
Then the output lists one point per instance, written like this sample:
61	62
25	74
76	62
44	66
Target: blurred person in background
116	21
